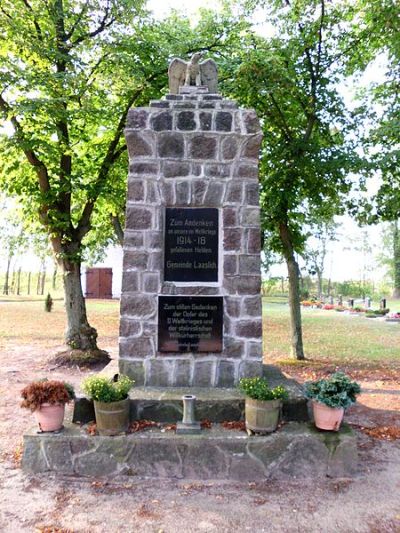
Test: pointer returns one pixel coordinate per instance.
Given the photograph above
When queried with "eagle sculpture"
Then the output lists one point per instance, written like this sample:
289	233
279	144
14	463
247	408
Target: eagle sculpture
182	73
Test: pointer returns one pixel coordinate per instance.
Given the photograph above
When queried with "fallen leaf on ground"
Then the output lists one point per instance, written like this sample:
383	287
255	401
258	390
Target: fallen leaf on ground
52	529
235	424
383	432
140	425
91	429
206	424
169	427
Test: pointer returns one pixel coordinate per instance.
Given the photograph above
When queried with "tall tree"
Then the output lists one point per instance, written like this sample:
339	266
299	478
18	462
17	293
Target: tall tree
389	256
381	22
291	80
69	72
316	250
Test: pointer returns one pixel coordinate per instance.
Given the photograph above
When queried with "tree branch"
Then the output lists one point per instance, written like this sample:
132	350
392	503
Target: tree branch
35	22
70	33
119	231
113	152
31	156
102	26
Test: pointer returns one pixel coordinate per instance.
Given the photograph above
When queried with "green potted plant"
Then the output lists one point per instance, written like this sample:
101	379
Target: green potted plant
330	397
263	404
47	399
111	402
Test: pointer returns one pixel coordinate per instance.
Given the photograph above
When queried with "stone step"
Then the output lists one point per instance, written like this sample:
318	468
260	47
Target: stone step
295	450
164	404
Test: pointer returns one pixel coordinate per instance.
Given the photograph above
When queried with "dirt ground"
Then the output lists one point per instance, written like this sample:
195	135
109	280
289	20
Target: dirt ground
45	503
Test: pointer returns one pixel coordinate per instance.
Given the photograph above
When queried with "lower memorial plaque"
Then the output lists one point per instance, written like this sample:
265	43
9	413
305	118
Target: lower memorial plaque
190	323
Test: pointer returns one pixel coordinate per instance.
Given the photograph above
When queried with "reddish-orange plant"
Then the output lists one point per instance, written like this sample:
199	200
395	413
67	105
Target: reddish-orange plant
39	392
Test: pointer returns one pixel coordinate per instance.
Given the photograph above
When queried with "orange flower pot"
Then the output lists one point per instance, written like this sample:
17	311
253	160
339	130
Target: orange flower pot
328	418
50	417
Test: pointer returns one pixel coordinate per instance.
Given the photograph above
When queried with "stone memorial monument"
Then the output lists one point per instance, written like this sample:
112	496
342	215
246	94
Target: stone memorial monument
191	304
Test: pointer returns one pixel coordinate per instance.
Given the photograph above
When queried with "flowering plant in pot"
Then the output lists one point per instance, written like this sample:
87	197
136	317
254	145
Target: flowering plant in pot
47	399
330	397
111	402
263	404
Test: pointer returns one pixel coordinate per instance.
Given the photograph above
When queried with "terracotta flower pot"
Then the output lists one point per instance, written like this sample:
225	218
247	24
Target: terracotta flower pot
50	417
262	416
112	418
328	418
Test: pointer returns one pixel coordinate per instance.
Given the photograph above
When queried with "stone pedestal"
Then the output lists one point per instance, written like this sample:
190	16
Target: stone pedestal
193	150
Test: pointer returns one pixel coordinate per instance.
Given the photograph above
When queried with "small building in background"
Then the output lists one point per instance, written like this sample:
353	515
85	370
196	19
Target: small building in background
103	280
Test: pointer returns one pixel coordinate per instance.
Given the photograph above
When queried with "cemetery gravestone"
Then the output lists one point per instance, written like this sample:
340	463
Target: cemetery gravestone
191	304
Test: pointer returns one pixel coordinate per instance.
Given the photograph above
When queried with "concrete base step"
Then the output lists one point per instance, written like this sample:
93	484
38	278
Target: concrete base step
164	404
295	450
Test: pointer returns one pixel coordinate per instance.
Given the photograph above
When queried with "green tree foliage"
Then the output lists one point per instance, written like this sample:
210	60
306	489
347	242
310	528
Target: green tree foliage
69	72
381	21
291	80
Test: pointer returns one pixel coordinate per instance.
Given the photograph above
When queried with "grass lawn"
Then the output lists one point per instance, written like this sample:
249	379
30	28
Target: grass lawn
26	321
328	336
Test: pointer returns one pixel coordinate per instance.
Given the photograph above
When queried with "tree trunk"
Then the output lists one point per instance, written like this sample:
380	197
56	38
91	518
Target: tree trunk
38	283
6	288
19	282
29	283
319	281
79	334
43	280
54	277
396	257
13	278
297	351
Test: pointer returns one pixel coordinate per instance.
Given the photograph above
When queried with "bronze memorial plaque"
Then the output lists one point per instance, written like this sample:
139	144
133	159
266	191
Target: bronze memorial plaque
190	323
191	244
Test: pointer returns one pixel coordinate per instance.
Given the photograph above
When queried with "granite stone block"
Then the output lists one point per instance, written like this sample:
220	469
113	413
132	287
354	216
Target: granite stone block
215	193
223	121
205	120
182	192
203	373
199	188
249	264
229	216
176	169
138	305
136	190
229	147
137	119
230	265
232	239
134	259
135	347
143	168
225	374
133	239
130	281
137	144
203	147
186	120
182	373
133	368
217	171
129	327
171	145
234	193
161	121
249	328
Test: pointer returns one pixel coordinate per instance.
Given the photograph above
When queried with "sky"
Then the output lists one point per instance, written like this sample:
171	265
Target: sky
342	262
